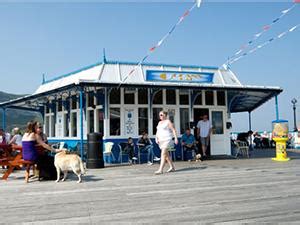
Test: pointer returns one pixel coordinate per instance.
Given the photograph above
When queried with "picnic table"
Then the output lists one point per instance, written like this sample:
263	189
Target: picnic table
12	159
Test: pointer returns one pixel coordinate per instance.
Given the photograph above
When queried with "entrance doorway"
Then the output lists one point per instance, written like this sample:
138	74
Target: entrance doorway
198	115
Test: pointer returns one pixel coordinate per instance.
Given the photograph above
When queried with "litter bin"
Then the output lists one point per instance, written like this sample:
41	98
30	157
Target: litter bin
94	151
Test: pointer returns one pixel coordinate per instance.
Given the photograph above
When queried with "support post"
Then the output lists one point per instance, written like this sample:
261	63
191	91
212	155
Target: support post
250	122
276	106
81	121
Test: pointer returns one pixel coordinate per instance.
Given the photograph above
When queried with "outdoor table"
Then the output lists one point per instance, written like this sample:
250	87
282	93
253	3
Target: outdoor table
14	161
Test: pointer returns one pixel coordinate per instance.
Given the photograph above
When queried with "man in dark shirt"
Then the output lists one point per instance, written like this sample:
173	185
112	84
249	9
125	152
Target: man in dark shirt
145	144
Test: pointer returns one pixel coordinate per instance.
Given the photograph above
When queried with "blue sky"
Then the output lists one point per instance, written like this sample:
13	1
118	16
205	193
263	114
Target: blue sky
57	38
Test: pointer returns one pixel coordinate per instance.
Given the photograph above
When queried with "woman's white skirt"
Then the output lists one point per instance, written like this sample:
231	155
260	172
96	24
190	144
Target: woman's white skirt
166	144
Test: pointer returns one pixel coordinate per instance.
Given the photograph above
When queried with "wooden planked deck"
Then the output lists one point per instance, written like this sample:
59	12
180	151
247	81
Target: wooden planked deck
214	191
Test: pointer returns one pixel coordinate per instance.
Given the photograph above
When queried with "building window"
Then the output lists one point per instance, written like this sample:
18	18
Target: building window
74	102
52	125
184	120
217	122
171	97
91	102
143	96
143	120
158	98
221	98
114	122
47	125
99	98
66	124
91	127
114	96
74	124
59	105
155	118
184	99
100	120
129	95
47	108
209	98
198	100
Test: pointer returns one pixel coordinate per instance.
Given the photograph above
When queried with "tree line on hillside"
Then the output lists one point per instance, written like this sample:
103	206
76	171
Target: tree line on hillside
16	118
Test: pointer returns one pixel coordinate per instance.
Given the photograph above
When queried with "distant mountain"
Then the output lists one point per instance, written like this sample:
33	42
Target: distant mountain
16	118
6	96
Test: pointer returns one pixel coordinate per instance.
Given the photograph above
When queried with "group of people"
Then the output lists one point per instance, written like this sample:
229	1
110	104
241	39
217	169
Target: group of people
190	143
34	145
256	140
15	138
166	137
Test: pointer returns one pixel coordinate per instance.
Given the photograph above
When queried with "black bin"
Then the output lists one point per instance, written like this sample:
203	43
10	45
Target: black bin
94	158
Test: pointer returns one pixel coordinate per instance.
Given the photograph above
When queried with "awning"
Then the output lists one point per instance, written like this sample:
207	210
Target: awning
240	99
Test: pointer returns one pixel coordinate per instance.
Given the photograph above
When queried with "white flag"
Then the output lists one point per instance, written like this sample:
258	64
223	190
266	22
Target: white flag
198	3
293	28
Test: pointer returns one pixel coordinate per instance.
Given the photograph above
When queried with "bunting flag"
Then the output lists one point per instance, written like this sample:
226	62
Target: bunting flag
161	41
237	58
265	28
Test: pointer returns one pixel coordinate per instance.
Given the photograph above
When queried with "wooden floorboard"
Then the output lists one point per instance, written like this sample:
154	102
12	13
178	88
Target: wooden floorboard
255	190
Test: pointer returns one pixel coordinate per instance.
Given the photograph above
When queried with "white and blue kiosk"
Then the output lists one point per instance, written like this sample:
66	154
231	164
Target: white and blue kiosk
98	98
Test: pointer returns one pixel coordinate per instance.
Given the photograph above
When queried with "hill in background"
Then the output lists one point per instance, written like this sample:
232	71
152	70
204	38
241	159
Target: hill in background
16	118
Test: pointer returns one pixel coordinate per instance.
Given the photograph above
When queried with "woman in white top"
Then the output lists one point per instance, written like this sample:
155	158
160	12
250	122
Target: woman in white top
17	137
164	136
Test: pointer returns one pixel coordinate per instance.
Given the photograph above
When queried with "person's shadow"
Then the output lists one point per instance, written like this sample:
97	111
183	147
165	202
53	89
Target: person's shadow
191	168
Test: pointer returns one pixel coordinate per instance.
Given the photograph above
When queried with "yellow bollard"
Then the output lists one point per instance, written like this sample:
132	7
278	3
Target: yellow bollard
280	136
281	155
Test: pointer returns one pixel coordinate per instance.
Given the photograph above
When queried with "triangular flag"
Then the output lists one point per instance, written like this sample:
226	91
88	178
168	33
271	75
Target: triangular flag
257	35
281	35
285	11
293	28
296	1
152	49
198	3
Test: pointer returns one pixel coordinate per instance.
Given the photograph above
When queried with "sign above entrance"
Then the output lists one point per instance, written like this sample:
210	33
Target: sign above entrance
179	76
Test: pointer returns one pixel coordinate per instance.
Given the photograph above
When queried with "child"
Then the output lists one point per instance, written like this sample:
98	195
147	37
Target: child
129	149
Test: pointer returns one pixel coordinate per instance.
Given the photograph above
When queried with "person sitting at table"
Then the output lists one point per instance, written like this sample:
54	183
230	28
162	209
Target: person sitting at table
129	149
188	143
4	139
29	149
145	144
45	163
17	137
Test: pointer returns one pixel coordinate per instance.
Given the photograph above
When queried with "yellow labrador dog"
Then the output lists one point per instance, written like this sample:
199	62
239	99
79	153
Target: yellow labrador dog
65	162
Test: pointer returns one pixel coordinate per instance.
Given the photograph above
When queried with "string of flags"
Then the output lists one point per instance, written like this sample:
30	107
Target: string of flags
242	51
226	65
163	39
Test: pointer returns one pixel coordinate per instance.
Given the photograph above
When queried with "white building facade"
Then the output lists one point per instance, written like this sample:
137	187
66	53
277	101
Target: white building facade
122	99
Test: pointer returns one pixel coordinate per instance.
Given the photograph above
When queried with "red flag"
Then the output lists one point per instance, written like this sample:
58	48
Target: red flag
267	27
296	1
152	49
186	13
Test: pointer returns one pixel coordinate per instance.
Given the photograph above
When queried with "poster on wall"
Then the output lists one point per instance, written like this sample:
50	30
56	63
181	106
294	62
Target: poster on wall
129	122
59	125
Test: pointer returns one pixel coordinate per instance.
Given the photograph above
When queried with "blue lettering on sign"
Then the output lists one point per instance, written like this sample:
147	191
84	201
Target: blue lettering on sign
179	76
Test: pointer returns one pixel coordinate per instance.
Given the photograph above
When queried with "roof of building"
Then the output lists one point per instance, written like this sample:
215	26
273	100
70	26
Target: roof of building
116	73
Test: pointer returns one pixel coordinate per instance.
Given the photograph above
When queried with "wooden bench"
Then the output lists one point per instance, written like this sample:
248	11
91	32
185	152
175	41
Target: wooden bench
13	161
16	163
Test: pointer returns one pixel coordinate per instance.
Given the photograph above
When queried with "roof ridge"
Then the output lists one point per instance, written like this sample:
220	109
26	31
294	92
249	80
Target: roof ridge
128	63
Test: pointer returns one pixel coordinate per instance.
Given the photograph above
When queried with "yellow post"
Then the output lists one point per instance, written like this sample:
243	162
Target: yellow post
280	136
281	149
